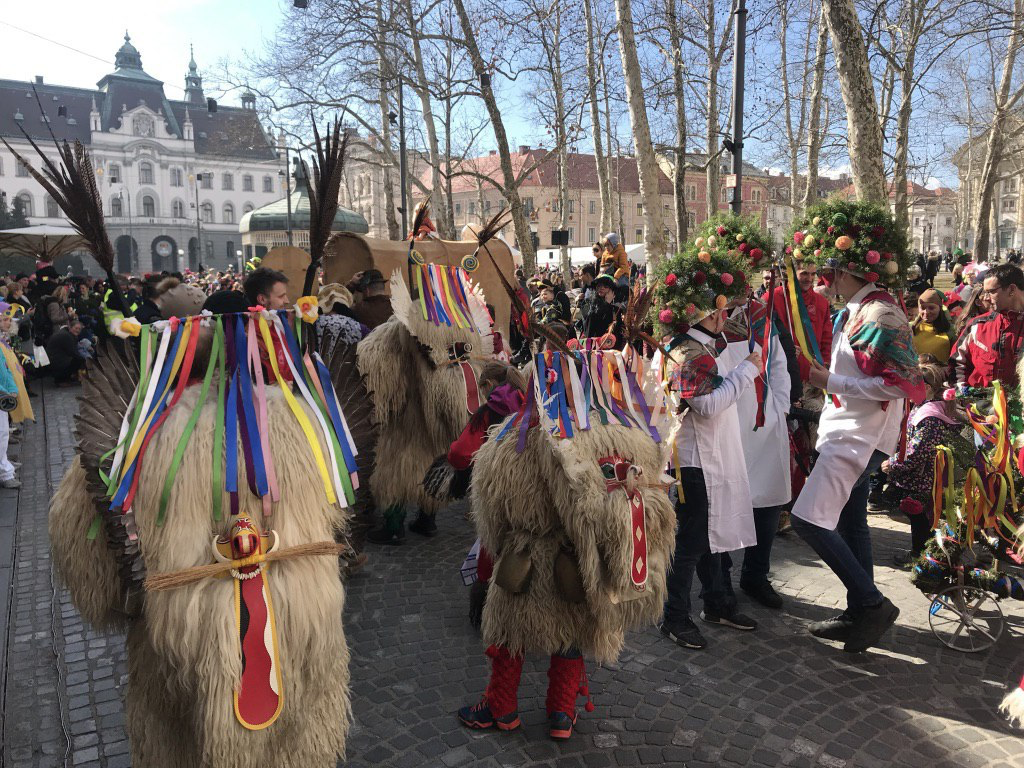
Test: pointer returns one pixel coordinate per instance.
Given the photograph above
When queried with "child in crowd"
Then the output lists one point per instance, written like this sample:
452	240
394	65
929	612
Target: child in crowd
931	424
933	330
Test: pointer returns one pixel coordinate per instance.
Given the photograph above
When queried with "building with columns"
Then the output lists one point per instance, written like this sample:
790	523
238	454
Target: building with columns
176	176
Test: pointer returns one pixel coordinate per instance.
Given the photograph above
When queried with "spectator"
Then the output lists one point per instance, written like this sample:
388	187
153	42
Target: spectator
990	346
148	311
547	309
614	261
267	288
598	314
8	389
933	330
336	324
66	359
375	307
50	312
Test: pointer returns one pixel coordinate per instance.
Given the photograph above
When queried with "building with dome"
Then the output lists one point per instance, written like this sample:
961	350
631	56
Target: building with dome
177	176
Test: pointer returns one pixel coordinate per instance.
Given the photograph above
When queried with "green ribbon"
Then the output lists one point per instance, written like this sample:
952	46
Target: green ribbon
179	452
145	363
218	425
339	457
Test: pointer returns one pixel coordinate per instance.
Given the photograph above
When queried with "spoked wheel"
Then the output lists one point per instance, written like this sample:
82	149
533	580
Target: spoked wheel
966	619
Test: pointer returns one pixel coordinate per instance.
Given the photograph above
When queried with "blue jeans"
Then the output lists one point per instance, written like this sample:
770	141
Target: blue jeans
847	549
757	559
694	553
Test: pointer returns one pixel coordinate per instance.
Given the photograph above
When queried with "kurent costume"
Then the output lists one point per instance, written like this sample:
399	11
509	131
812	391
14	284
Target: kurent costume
200	516
421	369
582	557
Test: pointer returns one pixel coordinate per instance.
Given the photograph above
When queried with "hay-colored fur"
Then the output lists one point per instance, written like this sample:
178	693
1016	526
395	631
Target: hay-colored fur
553	496
420	410
185	649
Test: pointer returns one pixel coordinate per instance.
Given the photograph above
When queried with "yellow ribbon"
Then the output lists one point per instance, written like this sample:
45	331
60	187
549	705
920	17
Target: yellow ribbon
297	411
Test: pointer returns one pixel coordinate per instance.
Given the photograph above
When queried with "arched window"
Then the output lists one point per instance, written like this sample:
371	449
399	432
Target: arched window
26	204
246	183
145	173
178	209
268	184
207	213
52	211
116	209
148	207
227	181
359	186
229	213
247	207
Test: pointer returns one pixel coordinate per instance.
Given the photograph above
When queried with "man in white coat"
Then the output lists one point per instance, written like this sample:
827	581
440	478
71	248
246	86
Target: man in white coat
713	508
873	370
766	449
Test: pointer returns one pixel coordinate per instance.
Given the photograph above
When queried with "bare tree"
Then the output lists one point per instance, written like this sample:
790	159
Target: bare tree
603	184
815	134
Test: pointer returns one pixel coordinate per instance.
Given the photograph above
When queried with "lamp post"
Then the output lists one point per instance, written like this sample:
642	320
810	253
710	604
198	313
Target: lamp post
735	144
286	176
402	163
181	256
125	196
199	228
238	257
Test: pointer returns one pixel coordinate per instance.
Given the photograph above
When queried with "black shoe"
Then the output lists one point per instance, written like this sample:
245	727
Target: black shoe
684	633
735	619
764	593
870	625
385	535
836	628
424	525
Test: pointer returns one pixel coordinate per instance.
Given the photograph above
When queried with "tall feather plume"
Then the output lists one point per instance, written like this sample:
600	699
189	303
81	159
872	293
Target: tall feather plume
323	193
497	222
71	182
522	312
635	316
422	211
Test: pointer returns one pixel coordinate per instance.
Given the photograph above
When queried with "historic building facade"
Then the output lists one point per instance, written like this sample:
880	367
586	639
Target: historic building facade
176	176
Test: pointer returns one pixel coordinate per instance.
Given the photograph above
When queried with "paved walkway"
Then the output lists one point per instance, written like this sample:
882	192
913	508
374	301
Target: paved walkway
772	697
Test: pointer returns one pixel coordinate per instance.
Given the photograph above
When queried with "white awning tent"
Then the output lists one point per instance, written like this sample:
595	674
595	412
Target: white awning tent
585	255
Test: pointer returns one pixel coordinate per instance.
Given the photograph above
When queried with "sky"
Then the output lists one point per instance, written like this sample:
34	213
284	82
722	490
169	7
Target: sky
162	33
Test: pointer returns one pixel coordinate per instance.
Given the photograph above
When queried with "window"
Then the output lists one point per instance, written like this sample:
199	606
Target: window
949	221
773	193
206	180
114	174
247	183
116	209
639	209
1	166
145	173
528	206
471	208
755	195
229	213
572	235
1010	204
725	195
209	249
572	209
555	206
177	177
639	236
487	207
917	221
665	207
246	208
25	199
691	219
1010	187
207	213
21	171
231	251
148	207
592	208
591	232
52	211
458	209
691	192
227	181
268	184
178	209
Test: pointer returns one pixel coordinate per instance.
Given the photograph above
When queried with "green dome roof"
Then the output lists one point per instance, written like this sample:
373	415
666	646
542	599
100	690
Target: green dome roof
274	216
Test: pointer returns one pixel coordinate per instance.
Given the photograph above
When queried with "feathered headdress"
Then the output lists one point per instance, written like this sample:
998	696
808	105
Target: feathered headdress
323	194
71	182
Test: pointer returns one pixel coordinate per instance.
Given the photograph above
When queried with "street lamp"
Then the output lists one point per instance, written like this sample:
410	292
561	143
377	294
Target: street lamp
285	177
238	256
125	197
181	255
199	230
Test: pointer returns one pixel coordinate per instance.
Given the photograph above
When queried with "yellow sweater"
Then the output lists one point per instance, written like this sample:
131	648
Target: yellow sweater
928	341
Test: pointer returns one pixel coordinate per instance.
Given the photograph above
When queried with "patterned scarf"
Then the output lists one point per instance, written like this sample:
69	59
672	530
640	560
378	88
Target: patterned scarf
883	344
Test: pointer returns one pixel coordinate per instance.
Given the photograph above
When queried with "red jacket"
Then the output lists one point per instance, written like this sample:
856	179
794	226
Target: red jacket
989	349
821	321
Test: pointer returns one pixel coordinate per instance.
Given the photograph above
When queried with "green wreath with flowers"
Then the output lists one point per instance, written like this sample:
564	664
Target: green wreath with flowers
711	271
856	236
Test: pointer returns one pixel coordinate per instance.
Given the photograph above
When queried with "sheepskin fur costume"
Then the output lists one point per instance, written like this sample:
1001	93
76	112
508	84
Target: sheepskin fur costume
183	651
552	498
419	398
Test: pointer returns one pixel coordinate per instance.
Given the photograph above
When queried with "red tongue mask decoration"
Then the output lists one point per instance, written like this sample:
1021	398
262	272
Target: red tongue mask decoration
621	473
828	277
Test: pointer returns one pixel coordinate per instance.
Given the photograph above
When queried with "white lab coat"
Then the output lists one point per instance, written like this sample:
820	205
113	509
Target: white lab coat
709	438
850	434
766	451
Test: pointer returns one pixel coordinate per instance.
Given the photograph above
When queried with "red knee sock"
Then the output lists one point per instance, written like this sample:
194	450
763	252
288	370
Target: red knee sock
567	679
503	687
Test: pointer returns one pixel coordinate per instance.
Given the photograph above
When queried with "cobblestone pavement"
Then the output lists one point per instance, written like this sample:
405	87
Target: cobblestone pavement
772	697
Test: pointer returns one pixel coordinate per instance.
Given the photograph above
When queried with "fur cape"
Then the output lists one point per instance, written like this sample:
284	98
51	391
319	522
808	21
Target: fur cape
183	652
552	498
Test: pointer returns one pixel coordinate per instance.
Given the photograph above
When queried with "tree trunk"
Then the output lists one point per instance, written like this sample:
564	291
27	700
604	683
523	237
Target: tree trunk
864	133
422	88
603	185
679	86
996	139
524	237
647	164
901	206
814	132
711	128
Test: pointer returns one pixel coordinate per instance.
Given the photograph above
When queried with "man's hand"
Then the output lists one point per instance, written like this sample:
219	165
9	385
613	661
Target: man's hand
885	466
755	358
818	375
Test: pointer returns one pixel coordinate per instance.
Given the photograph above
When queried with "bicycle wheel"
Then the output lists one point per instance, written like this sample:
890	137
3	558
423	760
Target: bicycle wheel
966	619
